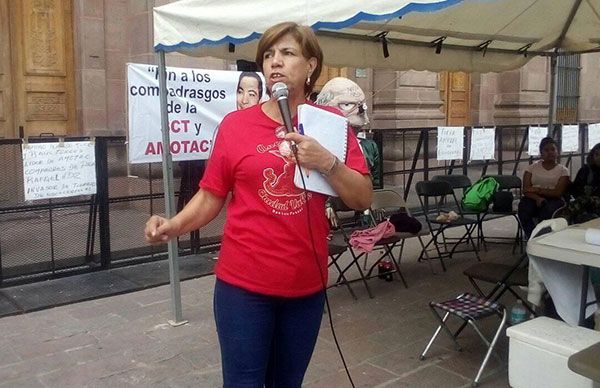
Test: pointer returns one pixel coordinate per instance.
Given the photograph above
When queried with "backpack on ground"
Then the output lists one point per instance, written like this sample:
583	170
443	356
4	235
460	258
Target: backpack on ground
479	196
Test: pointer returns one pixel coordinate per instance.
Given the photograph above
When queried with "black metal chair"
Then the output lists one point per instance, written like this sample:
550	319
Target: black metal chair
505	277
513	184
387	244
436	193
461	183
335	252
387	203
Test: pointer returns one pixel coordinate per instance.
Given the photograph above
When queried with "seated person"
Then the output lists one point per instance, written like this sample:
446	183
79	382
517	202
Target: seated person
586	190
545	182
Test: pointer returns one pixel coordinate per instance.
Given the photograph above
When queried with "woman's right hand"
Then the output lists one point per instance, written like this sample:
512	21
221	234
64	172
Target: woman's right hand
159	230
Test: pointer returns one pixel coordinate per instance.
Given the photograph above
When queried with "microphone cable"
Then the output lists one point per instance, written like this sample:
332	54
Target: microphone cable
321	275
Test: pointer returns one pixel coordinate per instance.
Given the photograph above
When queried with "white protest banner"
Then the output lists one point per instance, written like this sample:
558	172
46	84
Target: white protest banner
197	101
536	134
483	143
450	143
593	135
57	170
570	138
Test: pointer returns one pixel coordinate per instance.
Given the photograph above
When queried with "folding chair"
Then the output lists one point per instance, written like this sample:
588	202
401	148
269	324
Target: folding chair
507	183
505	277
469	308
385	204
386	243
462	183
335	252
437	192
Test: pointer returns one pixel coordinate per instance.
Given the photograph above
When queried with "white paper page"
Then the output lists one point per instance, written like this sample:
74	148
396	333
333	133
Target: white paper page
593	135
536	134
483	143
450	143
570	138
331	131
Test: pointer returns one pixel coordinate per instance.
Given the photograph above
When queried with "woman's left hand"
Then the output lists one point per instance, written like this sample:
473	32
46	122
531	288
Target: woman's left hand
311	154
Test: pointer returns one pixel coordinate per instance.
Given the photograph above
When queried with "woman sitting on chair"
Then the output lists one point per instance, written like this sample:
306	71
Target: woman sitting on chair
544	185
585	190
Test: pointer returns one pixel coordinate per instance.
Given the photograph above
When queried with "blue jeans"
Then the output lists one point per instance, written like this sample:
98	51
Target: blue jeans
265	341
530	214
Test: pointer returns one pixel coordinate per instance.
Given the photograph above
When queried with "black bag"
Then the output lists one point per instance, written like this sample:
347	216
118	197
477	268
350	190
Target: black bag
503	202
405	223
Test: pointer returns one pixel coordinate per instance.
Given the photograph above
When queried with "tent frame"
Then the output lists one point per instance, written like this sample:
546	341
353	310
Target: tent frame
436	44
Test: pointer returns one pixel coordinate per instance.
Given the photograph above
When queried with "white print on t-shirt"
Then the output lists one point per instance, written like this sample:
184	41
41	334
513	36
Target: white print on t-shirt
279	191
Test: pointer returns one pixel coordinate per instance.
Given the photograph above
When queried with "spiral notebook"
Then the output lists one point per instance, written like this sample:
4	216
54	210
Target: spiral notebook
331	131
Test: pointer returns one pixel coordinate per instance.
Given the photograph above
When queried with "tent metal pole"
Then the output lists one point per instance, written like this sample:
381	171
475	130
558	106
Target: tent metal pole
167	167
553	79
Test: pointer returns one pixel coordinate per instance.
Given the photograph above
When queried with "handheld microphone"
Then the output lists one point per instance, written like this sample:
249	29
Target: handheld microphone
280	92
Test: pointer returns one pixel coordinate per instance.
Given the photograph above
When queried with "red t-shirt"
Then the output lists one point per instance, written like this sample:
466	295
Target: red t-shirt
266	246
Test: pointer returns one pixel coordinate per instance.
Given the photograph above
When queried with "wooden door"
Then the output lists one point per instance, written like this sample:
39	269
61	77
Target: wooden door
455	90
36	69
6	94
327	73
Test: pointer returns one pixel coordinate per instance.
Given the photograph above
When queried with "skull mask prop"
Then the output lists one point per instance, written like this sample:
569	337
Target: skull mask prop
348	97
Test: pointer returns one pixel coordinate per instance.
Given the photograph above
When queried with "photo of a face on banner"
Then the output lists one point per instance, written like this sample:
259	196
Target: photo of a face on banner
249	90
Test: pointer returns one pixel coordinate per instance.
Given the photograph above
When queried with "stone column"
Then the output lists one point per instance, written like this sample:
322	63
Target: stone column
90	67
589	98
523	94
404	99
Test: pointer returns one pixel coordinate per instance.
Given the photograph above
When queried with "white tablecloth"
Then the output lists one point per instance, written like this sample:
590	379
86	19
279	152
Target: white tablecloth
559	270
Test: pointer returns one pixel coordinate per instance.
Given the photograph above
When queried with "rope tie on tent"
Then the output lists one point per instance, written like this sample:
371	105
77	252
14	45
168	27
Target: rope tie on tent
523	50
484	46
384	43
437	43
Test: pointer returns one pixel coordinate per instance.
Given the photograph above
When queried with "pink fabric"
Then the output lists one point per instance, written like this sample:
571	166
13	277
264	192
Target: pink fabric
366	239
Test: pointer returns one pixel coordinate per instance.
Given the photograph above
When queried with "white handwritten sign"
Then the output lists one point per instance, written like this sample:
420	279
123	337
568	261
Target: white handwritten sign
483	143
570	138
450	143
536	134
593	135
56	170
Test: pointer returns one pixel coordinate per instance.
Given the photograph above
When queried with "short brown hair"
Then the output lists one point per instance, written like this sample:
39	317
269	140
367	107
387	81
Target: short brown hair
305	37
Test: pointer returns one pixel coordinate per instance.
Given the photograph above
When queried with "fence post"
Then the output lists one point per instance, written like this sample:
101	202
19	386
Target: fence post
102	200
500	147
466	149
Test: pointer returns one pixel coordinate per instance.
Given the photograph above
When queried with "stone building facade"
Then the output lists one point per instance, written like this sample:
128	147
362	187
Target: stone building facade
84	89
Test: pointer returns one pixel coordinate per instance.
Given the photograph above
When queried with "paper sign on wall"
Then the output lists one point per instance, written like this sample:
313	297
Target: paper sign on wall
536	134
593	135
197	101
57	170
450	143
483	143
570	138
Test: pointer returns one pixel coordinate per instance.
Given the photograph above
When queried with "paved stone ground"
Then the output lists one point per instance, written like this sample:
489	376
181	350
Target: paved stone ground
125	340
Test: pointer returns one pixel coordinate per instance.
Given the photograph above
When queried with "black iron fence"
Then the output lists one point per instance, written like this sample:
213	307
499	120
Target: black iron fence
410	155
50	238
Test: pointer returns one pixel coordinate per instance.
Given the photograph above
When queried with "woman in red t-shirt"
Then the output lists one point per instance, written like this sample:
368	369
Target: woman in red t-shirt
272	267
